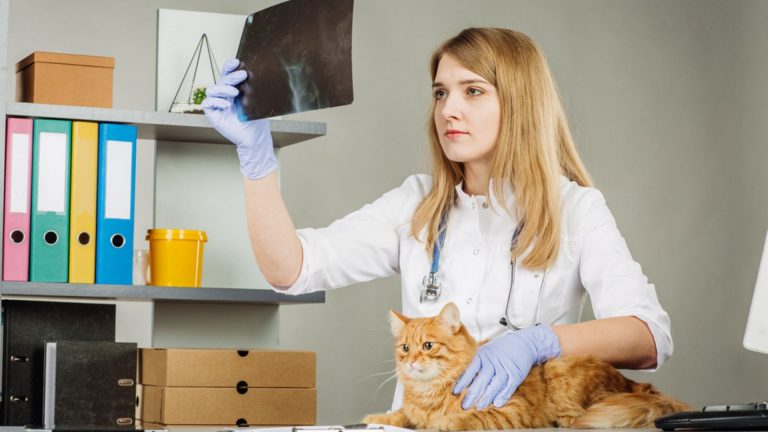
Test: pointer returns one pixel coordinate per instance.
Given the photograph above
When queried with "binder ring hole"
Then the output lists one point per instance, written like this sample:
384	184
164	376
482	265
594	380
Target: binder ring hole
241	422
242	353
117	240
51	237
84	238
242	387
17	236
137	401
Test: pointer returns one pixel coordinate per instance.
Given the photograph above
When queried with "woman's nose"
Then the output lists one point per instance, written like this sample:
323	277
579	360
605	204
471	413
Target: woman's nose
451	108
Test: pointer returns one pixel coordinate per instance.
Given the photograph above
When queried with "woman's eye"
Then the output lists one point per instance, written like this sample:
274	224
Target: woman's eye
439	94
428	346
405	347
474	91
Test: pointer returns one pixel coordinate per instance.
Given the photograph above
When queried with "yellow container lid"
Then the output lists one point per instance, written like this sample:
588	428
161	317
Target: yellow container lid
176	234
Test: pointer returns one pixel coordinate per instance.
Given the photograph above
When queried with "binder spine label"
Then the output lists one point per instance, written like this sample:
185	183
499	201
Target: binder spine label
52	172
117	203
20	173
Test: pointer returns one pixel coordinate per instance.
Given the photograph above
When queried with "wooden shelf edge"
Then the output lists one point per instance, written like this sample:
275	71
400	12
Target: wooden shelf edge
156	294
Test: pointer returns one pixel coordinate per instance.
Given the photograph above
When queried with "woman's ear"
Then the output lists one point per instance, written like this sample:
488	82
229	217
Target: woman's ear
450	316
396	322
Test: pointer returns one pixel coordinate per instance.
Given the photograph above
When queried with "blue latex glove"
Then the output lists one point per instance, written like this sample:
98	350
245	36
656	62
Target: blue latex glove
502	364
252	138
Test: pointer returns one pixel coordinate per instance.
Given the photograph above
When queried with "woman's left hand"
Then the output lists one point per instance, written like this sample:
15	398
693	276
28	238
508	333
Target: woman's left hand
502	364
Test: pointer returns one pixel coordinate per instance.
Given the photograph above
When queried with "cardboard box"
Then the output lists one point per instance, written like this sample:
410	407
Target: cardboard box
65	79
227	368
229	406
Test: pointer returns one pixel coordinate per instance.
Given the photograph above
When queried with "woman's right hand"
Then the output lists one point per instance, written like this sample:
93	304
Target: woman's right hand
253	138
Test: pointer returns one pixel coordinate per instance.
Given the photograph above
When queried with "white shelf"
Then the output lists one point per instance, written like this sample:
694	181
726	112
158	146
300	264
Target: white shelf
157	294
164	126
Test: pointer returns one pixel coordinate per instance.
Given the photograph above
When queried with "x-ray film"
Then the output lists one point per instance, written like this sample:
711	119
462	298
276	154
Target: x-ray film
298	56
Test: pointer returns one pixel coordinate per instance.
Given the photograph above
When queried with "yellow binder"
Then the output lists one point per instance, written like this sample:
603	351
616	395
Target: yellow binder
82	229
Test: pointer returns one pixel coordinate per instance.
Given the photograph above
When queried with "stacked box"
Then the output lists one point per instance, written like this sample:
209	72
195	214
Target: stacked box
65	79
182	387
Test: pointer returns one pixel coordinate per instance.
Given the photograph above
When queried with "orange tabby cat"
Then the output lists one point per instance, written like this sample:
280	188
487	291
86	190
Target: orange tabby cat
576	392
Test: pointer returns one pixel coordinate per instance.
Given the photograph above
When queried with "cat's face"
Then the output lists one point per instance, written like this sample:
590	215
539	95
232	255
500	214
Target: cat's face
429	349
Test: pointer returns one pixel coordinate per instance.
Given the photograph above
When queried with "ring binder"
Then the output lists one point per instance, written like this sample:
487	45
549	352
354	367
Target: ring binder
115	204
16	212
49	219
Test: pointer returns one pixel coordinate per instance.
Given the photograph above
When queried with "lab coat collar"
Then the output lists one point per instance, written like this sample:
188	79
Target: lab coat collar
465	201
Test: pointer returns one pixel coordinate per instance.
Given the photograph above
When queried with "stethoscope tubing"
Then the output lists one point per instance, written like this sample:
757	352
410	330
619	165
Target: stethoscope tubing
431	288
505	320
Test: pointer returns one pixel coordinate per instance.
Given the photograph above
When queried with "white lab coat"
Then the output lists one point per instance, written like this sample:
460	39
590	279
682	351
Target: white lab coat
474	268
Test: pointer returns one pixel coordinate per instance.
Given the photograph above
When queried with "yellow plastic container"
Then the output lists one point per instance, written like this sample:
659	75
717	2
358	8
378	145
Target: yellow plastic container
176	257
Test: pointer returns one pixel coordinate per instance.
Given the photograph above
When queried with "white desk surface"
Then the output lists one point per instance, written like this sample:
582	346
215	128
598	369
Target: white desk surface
216	429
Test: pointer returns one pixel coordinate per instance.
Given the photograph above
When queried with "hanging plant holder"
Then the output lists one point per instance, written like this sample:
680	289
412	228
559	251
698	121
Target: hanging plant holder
191	91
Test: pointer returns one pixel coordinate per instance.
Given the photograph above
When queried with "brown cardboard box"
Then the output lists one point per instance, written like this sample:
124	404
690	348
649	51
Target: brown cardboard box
227	368
65	79
228	406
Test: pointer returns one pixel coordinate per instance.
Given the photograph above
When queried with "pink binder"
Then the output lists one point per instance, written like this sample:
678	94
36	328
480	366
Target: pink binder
18	175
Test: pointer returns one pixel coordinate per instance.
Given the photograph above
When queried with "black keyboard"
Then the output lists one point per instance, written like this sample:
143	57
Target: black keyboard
752	416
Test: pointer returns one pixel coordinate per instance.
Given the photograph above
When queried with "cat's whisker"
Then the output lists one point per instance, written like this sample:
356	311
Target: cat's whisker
380	386
374	375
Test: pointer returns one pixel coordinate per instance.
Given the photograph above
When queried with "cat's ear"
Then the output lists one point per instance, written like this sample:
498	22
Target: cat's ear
396	322
450	316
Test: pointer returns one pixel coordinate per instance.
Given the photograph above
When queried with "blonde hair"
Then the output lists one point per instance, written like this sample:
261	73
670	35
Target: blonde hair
534	145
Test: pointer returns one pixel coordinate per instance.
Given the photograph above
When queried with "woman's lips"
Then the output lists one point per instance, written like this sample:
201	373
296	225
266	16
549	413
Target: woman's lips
453	133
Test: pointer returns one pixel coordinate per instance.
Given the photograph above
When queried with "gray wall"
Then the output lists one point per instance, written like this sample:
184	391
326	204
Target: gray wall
668	104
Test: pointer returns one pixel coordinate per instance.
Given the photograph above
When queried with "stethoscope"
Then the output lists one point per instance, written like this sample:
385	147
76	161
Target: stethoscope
431	288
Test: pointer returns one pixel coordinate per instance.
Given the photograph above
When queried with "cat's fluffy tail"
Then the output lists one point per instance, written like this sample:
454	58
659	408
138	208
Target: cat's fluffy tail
629	410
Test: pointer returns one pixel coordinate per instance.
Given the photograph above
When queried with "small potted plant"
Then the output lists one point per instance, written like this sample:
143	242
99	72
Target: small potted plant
198	95
192	105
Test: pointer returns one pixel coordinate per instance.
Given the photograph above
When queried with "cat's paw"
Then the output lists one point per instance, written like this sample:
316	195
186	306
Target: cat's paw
446	423
384	419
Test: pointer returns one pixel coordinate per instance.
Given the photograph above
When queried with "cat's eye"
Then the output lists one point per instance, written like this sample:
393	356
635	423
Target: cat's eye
405	347
428	346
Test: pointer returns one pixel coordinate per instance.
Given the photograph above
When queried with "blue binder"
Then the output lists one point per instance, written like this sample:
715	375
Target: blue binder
115	208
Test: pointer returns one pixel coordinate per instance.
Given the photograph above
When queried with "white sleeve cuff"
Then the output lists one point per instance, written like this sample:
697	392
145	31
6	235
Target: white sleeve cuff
663	341
300	286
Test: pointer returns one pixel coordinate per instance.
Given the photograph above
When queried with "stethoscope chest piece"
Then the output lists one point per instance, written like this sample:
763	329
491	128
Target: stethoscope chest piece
430	288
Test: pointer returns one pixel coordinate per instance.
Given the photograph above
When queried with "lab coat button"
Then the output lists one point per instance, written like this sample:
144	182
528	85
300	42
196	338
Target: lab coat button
476	251
469	300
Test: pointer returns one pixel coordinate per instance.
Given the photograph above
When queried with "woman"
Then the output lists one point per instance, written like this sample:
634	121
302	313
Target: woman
507	187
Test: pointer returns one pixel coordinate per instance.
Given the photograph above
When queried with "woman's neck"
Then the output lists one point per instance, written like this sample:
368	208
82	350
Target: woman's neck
475	179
